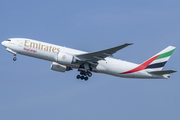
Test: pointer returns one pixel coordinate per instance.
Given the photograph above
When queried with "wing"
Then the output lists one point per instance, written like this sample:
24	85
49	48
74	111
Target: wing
100	55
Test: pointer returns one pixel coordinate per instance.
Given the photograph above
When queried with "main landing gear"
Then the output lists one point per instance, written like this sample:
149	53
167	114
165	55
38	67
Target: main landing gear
84	75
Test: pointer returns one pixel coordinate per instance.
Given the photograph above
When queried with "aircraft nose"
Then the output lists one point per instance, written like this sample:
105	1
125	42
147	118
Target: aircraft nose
3	43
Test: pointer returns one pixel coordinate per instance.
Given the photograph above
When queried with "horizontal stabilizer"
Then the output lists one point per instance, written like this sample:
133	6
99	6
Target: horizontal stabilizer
162	72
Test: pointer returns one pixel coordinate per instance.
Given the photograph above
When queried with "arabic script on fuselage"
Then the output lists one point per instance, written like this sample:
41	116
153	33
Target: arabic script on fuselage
28	49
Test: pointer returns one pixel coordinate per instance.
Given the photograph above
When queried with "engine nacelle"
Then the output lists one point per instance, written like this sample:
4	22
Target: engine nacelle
65	58
58	67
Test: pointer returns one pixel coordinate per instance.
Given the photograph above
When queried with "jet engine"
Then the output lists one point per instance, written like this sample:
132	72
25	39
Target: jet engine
60	68
65	58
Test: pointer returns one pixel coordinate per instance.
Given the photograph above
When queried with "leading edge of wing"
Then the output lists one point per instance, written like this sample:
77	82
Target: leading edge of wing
100	55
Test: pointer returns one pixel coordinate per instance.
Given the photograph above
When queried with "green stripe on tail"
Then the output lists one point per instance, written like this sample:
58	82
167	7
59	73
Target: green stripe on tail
167	54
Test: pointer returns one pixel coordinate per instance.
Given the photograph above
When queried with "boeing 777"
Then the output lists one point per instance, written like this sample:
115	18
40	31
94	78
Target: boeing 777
65	59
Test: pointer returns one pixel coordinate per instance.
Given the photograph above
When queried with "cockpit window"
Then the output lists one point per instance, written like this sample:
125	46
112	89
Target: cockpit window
8	40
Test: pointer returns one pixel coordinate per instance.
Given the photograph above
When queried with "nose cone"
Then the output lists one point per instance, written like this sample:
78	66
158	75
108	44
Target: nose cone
3	43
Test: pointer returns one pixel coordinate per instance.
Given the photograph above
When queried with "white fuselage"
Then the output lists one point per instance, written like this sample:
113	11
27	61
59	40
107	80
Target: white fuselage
49	52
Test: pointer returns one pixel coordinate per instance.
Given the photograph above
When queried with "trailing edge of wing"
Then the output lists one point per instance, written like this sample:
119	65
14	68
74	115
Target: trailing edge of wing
100	55
162	72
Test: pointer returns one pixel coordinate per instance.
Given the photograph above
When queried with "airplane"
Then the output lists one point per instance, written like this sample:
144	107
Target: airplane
65	59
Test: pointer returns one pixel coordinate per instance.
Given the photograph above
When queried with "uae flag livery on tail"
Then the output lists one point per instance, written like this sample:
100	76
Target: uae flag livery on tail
161	60
155	63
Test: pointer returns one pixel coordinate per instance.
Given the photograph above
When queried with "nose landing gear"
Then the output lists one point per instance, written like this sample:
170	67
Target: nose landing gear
84	75
14	57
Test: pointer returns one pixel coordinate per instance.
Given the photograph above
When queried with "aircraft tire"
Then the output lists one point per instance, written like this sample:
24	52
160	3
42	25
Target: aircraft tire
78	76
82	77
86	78
89	74
14	58
82	73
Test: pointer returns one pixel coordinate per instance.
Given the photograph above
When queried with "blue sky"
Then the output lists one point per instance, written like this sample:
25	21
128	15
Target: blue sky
30	90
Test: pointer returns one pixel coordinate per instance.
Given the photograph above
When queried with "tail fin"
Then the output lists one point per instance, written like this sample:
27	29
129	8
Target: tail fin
155	63
161	59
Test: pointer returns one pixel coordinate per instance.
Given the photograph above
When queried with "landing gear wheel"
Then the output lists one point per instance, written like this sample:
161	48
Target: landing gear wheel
82	73
78	76
14	58
82	77
85	73
89	74
85	78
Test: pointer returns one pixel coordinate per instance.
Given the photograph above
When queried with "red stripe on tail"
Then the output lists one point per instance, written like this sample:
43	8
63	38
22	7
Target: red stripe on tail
142	66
